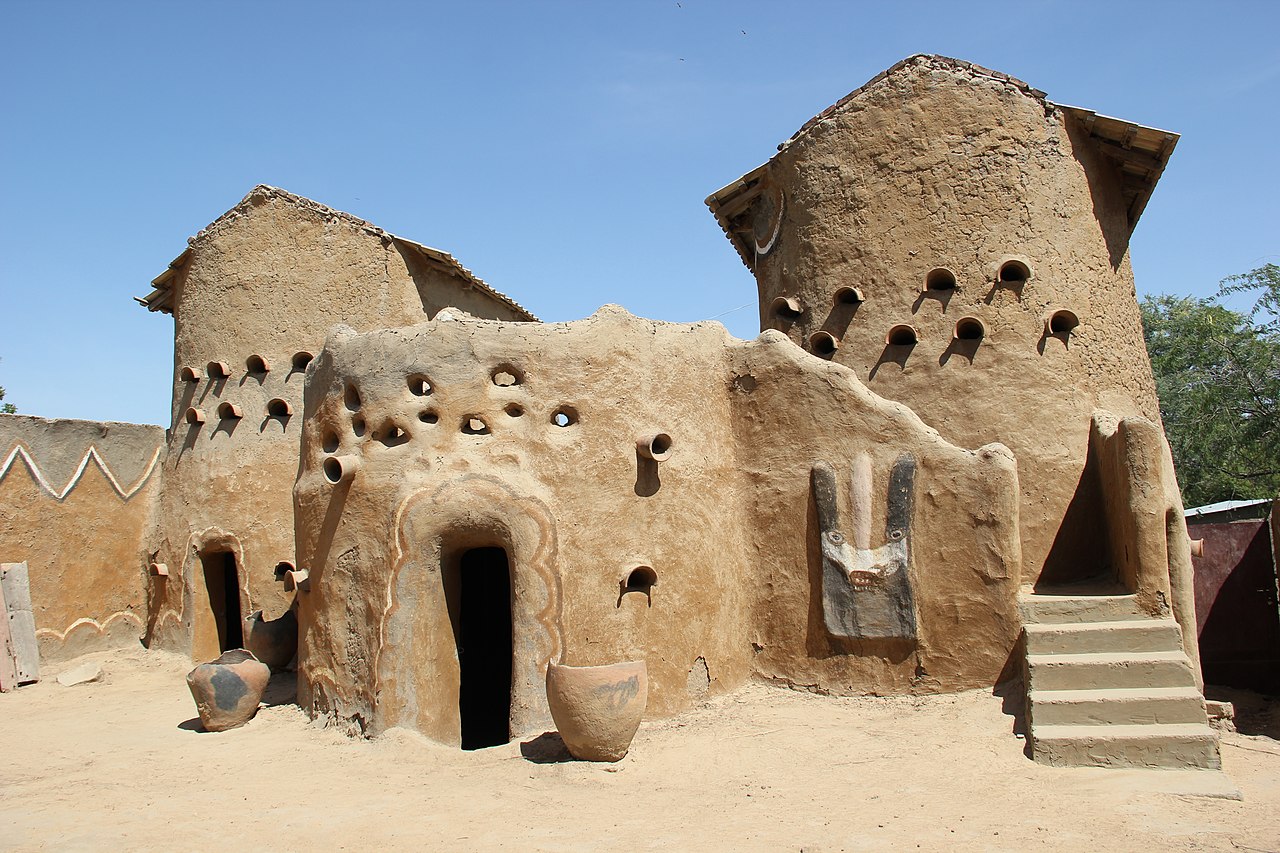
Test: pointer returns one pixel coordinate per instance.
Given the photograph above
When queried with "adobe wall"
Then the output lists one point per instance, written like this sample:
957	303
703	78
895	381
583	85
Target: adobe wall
727	522
267	280
75	500
939	167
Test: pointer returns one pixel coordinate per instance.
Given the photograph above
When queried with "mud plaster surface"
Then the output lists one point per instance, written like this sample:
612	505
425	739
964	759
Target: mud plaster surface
115	765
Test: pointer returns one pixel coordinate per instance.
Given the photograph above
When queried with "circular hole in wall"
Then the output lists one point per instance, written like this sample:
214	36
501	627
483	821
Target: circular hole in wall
427	416
283	568
278	408
392	435
970	329
301	359
1014	272
329	441
564	416
351	397
849	296
333	469
514	410
507	375
1062	322
357	425
228	411
940	279
217	370
472	425
902	336
641	579
256	364
419	385
824	344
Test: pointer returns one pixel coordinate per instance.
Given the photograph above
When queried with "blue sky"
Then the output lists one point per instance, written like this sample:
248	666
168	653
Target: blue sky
561	150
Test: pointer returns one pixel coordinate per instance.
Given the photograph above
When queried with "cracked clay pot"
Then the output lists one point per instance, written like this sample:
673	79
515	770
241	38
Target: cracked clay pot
227	690
597	709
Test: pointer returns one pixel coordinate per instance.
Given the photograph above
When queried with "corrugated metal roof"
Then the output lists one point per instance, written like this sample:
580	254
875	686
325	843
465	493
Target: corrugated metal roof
1233	507
161	296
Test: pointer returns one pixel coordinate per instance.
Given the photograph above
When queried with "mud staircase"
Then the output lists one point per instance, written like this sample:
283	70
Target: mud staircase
1108	686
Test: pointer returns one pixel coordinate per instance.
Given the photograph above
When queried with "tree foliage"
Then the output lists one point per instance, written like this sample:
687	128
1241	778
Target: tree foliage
1218	377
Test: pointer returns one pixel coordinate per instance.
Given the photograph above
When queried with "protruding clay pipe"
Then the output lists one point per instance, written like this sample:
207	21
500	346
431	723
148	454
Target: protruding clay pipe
191	374
860	501
823	343
194	416
902	335
159	570
229	410
969	329
340	469
297	579
257	364
656	447
1060	322
218	370
787	306
1197	547
849	296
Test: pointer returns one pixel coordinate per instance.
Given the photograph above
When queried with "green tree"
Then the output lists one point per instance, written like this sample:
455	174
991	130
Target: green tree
6	408
1218	377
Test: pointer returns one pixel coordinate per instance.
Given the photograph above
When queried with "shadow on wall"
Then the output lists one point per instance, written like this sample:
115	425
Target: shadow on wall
1079	551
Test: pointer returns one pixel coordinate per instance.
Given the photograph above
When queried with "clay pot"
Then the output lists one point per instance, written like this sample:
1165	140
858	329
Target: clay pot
273	642
597	709
227	691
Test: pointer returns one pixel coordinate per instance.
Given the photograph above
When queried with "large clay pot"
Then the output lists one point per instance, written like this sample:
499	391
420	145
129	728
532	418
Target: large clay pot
273	642
227	691
597	709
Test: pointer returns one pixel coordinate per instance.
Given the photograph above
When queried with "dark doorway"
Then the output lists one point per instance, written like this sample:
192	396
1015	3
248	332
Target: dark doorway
483	633
222	583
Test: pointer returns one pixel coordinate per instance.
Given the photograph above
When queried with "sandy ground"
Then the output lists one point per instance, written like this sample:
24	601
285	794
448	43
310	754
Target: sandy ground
122	765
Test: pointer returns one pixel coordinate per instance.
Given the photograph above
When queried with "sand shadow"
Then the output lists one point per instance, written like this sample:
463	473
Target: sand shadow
546	748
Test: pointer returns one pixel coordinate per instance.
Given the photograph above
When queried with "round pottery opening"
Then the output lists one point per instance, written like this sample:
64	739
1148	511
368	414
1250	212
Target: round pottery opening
1014	272
656	447
849	296
787	306
824	343
940	279
902	336
1061	322
970	329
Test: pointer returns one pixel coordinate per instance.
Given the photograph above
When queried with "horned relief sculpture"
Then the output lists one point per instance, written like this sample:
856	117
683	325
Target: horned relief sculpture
866	592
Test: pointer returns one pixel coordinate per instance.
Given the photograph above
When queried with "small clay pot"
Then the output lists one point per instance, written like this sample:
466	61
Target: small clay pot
273	642
597	709
227	691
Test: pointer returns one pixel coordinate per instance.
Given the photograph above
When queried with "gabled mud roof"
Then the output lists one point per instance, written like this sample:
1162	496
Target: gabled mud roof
161	296
1139	152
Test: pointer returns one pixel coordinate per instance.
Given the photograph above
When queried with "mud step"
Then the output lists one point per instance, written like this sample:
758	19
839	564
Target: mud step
1146	706
1181	745
1106	670
1079	608
1131	635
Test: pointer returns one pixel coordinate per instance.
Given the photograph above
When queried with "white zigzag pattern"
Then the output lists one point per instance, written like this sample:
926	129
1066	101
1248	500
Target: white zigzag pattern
92	453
